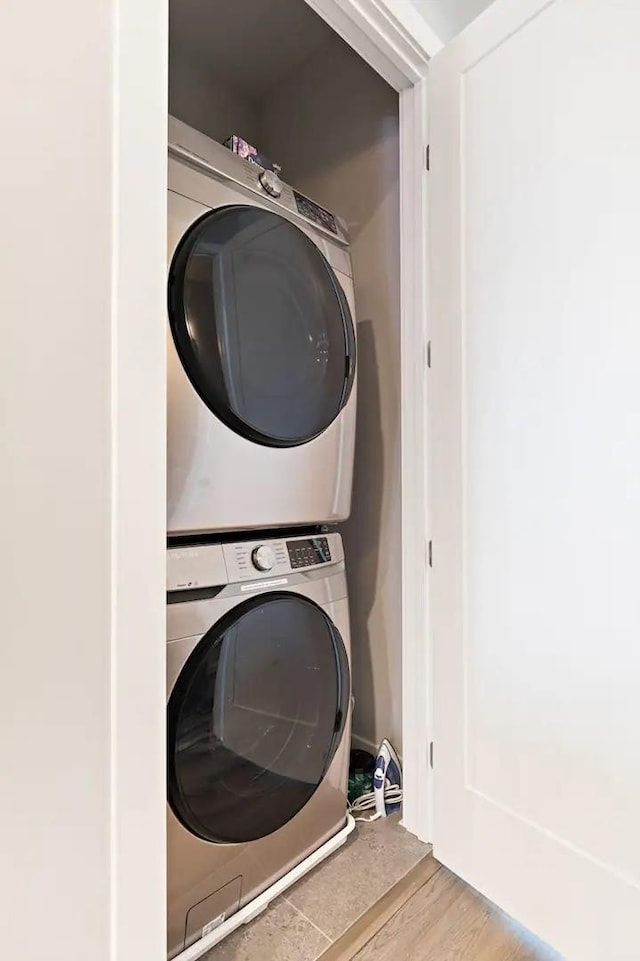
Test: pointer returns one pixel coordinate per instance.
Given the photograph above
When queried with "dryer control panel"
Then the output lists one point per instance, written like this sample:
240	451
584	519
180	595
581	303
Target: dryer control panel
195	149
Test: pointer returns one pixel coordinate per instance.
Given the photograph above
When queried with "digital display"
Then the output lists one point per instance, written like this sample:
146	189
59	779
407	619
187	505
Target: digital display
314	212
305	553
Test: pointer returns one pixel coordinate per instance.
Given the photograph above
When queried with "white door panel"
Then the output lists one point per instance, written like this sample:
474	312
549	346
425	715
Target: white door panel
535	466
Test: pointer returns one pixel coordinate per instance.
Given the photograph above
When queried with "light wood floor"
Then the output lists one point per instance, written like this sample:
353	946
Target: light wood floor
437	917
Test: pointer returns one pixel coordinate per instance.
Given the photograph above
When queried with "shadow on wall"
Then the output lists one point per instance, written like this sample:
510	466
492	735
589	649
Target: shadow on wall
334	127
361	533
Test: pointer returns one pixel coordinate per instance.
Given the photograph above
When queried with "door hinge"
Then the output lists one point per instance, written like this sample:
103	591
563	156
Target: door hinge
429	354
430	553
427	157
431	754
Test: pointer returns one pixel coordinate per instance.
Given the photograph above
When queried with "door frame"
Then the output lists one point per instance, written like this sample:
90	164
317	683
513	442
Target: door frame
398	44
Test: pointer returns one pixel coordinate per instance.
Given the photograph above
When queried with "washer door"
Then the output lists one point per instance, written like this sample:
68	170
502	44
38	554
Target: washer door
261	325
255	718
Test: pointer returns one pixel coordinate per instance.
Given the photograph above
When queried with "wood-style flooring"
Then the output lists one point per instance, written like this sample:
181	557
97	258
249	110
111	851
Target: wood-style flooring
434	916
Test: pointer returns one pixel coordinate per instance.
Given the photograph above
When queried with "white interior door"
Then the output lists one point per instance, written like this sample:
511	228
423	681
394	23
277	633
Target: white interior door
535	466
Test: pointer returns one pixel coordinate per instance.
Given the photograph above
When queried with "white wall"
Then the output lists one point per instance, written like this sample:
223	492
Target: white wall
81	847
55	389
206	101
334	127
449	17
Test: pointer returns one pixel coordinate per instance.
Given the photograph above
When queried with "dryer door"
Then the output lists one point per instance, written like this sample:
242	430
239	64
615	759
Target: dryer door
261	325
255	718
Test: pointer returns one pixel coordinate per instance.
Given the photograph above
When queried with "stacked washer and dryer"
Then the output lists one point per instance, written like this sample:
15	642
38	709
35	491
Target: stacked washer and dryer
261	429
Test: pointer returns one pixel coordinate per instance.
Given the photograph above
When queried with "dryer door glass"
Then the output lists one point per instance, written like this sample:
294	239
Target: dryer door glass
255	718
261	325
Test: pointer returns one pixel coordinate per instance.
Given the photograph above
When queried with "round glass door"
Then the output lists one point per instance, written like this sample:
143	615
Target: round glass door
255	718
261	325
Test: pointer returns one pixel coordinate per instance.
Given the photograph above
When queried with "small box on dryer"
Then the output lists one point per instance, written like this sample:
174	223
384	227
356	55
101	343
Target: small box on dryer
245	150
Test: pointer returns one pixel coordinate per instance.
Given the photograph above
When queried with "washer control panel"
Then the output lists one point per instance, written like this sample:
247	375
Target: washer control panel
253	560
267	562
309	551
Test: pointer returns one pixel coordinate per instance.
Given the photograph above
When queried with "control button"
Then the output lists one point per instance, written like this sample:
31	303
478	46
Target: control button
270	182
263	558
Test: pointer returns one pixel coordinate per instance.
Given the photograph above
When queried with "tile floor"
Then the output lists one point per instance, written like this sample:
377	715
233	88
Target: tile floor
300	925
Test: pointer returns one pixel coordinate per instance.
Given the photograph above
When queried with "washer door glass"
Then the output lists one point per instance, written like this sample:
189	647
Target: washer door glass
255	718
261	325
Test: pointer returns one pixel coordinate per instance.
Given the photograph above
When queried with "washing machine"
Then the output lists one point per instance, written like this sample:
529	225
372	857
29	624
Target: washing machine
261	348
258	720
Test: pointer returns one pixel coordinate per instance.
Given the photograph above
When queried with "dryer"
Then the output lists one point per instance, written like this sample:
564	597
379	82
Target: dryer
258	720
261	348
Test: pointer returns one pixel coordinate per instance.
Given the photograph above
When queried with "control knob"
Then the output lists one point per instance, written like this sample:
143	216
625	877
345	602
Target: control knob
263	557
270	182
